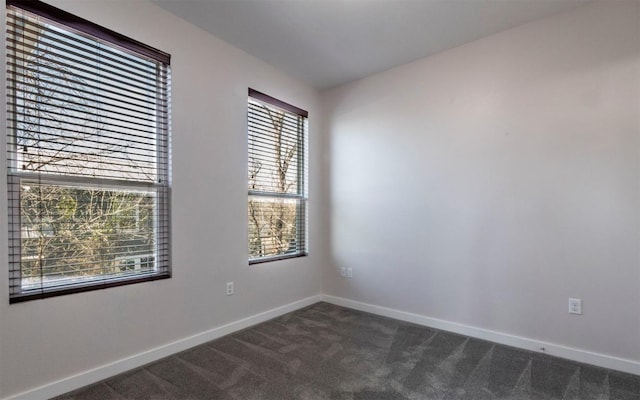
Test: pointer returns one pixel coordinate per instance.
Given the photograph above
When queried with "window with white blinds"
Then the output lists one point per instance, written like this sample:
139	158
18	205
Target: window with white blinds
277	179
88	155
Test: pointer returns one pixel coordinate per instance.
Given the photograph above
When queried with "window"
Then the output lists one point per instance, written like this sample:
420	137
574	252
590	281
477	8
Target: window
277	179
88	155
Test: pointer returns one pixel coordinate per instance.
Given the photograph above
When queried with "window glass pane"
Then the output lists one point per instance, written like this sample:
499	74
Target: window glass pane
274	226
274	145
76	111
73	235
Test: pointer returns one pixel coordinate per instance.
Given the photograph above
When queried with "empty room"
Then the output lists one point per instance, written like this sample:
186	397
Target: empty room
320	199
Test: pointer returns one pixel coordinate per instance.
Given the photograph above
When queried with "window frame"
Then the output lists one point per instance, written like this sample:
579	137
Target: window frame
160	190
301	196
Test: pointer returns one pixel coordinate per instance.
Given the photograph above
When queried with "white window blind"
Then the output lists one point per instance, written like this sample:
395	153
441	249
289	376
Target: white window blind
88	155
277	178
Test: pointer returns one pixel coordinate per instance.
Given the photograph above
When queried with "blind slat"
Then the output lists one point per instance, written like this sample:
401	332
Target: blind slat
77	85
30	56
148	117
88	28
20	24
46	129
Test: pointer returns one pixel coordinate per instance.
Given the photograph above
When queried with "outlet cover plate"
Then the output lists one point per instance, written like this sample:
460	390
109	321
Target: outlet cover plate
575	306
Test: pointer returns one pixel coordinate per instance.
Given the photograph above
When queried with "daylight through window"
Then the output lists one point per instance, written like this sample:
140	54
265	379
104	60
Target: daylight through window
88	155
277	179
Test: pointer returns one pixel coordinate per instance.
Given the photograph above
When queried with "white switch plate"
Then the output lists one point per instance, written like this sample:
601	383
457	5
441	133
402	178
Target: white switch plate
575	306
349	272
229	288
343	272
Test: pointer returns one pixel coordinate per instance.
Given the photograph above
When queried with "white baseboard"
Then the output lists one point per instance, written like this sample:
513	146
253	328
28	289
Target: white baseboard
108	370
583	356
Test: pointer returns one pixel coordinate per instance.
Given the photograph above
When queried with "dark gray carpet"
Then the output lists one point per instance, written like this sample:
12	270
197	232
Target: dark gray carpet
329	352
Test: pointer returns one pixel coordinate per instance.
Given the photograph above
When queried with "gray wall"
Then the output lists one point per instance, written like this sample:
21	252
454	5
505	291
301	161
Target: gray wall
46	340
488	184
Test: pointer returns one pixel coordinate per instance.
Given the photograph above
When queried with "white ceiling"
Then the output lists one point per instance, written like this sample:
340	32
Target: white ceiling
330	42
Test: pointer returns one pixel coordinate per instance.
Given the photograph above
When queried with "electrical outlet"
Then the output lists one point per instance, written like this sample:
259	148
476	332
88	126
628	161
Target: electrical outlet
343	272
229	288
575	306
349	272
